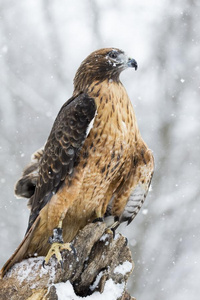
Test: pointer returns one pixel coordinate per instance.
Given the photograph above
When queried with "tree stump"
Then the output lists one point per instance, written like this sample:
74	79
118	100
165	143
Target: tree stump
102	265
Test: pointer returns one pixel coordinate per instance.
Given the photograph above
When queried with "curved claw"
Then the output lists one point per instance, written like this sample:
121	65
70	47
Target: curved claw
97	220
74	250
115	225
43	264
61	264
113	232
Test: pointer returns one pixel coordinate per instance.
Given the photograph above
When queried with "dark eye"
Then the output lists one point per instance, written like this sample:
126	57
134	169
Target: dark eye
113	54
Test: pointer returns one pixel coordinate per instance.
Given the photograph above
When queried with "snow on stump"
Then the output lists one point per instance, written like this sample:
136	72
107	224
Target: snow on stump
99	270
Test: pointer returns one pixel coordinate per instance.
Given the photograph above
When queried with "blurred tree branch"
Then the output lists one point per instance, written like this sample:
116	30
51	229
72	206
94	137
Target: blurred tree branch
98	255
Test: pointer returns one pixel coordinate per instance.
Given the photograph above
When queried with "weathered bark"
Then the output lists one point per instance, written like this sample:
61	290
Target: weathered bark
98	255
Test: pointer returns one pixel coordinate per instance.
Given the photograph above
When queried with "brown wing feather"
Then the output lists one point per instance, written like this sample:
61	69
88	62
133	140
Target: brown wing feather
60	157
61	152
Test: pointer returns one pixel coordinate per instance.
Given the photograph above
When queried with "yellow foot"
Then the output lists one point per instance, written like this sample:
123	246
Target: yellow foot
55	249
112	228
108	230
114	225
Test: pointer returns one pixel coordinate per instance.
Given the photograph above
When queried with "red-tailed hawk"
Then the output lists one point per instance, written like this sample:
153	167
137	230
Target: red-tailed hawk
94	163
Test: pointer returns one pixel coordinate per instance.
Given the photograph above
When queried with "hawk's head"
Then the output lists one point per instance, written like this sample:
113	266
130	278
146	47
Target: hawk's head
102	64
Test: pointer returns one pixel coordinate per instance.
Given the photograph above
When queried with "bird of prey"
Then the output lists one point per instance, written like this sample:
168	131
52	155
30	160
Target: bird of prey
94	163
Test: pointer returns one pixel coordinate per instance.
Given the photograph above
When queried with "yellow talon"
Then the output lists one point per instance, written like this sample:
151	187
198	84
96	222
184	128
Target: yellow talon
55	249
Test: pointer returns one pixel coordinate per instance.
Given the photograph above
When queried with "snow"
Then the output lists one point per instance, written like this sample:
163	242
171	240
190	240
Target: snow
124	268
104	237
29	269
112	291
145	211
96	282
117	235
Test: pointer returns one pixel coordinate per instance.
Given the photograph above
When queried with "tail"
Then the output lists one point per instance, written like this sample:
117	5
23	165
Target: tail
21	252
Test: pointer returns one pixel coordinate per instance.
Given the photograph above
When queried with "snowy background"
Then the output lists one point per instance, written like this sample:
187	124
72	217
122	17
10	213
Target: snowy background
41	45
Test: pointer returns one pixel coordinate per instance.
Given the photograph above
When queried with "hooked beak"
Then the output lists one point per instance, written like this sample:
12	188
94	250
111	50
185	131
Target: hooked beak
131	63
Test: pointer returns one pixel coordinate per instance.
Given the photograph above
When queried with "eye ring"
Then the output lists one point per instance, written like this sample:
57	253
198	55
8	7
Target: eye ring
113	54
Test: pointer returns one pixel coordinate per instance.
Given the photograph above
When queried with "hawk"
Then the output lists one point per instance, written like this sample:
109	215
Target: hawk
94	163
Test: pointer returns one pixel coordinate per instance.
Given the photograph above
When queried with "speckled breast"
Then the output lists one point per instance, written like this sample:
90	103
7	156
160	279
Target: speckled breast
107	150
